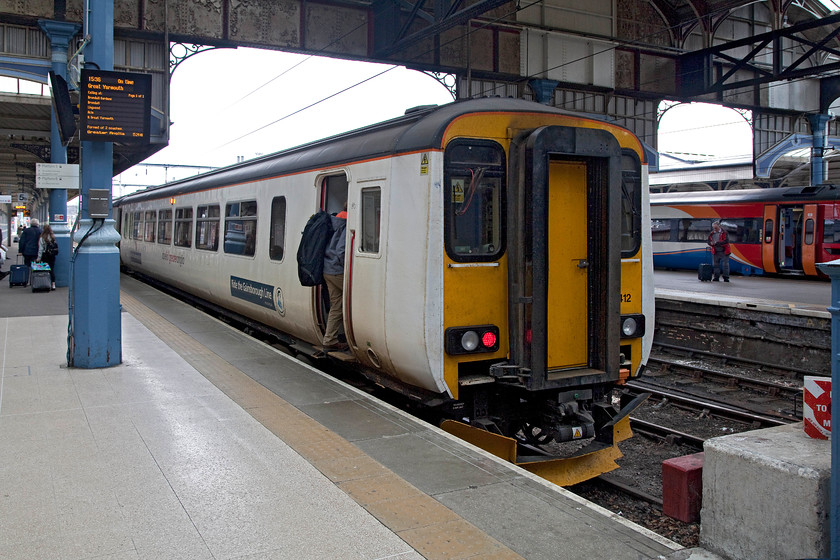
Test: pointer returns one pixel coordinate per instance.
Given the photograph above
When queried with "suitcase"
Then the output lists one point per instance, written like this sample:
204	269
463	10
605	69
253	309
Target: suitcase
40	280
18	274
704	272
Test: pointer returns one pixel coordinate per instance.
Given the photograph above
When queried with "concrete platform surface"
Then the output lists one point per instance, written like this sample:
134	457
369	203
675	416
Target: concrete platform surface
205	443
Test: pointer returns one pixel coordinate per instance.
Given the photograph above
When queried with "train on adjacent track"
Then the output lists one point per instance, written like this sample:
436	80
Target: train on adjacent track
498	264
771	231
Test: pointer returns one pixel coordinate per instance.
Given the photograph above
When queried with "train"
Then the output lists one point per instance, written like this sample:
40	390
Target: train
498	264
784	231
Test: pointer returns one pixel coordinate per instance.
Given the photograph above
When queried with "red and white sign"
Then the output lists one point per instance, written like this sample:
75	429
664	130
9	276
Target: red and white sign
817	407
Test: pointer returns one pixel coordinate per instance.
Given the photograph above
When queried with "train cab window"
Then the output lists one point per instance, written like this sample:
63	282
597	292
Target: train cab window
474	175
149	226
371	218
808	234
631	203
241	227
183	227
277	237
165	227
207	228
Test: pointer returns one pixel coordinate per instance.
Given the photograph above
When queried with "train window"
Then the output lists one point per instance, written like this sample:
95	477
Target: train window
241	227
370	219
149	226
207	228
742	230
165	227
660	230
831	231
183	227
808	236
695	230
631	203
277	237
137	224
474	174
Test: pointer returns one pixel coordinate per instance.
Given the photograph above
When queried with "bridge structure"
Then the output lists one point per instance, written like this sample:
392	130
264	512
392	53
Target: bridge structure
616	59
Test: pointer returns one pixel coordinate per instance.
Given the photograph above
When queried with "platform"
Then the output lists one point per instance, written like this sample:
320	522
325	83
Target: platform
205	443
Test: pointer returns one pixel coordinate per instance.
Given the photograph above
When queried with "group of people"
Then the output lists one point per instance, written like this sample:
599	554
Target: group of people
36	244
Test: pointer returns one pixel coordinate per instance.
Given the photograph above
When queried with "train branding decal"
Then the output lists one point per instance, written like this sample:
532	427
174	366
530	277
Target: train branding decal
278	301
255	292
136	257
170	258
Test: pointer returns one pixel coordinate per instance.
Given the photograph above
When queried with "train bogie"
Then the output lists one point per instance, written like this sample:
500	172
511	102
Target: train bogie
497	262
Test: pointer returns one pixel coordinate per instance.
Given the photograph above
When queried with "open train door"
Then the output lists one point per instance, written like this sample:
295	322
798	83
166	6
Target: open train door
564	256
809	243
769	252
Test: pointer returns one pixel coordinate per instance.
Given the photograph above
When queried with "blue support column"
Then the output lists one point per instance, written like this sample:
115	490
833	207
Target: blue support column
59	33
832	269
95	338
819	167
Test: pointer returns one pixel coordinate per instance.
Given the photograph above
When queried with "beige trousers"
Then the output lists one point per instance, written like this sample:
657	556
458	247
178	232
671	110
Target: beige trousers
335	285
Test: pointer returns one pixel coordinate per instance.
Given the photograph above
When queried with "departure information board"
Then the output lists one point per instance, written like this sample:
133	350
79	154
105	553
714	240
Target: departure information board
115	106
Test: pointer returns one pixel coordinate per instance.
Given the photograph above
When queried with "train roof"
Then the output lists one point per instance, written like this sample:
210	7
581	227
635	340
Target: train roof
787	194
419	129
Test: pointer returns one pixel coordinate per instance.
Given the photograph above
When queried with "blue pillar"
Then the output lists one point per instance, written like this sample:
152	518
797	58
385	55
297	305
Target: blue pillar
59	33
543	90
819	167
95	338
832	269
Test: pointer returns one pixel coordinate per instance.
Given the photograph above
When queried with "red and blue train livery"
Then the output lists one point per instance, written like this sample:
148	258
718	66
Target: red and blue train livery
771	231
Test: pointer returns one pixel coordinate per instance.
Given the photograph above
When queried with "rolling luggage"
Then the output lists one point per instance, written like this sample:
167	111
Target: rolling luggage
18	274
704	272
39	278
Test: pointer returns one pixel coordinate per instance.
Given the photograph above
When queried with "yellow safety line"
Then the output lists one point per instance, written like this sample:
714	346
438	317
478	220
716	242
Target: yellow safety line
432	529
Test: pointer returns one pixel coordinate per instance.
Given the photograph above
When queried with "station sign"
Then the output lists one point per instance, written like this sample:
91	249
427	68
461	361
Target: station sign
5	199
57	175
115	106
817	407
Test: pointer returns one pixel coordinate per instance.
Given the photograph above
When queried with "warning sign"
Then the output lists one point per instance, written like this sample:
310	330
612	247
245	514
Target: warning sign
817	407
458	191
577	432
424	164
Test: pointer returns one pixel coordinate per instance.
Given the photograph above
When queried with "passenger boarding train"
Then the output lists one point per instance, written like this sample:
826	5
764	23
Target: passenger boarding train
498	262
776	231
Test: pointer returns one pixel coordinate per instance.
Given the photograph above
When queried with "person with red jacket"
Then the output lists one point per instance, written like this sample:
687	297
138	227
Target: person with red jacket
720	251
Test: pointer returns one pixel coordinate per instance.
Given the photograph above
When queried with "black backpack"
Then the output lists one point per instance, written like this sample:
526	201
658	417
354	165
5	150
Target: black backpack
50	249
313	244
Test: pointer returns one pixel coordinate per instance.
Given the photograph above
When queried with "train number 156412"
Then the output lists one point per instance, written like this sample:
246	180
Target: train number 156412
625	298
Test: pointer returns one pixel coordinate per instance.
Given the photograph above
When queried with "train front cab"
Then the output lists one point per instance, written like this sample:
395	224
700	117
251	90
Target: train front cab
562	344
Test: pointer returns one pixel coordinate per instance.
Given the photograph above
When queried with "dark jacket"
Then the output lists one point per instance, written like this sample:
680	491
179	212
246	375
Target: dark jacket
334	255
722	244
28	243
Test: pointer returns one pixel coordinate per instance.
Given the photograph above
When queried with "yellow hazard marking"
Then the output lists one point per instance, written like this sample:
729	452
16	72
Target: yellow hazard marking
458	191
424	164
577	432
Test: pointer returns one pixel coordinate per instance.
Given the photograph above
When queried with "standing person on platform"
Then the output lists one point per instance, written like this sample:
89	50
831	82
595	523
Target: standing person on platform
48	251
334	277
28	243
720	251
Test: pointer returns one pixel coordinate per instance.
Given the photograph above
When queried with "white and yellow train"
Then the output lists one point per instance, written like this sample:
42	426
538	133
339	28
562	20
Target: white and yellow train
498	261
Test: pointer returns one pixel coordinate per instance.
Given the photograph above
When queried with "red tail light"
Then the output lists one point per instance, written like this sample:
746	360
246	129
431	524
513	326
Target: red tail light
488	339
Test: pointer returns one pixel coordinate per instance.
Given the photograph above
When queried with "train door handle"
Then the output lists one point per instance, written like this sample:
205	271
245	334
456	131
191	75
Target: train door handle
583	263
